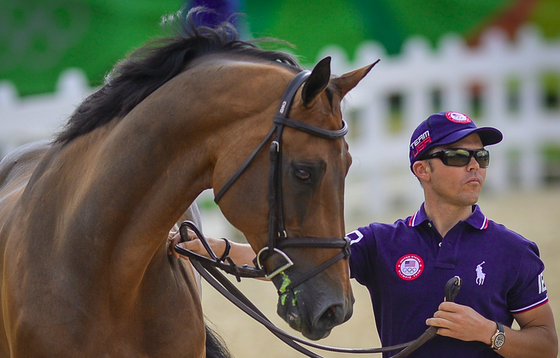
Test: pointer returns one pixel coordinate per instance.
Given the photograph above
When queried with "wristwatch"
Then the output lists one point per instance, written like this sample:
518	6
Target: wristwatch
499	338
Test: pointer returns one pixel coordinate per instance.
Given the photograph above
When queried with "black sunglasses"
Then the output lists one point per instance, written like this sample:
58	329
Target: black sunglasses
461	157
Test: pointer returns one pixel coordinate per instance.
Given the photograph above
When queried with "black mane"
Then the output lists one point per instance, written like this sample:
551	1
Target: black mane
149	67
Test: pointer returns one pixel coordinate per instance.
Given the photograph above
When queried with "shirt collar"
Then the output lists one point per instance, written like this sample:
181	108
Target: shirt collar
477	220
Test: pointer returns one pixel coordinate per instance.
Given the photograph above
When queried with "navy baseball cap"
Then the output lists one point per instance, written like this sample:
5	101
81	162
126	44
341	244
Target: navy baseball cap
445	128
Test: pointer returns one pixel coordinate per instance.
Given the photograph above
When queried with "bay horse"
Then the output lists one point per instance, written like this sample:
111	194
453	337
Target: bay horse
84	218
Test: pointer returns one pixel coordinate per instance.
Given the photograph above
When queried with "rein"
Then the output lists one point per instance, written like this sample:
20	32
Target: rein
208	270
278	240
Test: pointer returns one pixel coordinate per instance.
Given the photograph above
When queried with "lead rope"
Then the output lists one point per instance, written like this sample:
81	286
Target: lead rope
216	279
452	288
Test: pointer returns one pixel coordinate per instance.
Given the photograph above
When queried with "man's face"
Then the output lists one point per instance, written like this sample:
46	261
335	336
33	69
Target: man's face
459	186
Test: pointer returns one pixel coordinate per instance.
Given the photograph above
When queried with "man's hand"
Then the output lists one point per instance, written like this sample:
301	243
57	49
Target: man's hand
462	322
241	254
193	244
536	337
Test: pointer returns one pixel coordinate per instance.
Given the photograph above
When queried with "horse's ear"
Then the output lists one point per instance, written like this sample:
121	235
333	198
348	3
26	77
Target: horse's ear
317	81
349	80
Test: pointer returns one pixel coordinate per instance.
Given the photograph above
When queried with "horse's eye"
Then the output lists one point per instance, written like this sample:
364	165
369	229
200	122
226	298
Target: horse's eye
302	174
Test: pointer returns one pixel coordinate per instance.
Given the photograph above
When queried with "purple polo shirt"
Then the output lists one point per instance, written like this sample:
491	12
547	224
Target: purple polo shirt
406	265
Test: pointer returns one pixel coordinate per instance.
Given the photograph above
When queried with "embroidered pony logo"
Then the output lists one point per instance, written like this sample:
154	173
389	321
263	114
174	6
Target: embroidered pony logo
480	276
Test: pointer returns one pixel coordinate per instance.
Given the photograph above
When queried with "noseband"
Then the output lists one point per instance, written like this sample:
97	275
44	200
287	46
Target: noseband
277	237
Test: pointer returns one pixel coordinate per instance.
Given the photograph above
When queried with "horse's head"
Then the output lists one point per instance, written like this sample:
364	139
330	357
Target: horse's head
305	194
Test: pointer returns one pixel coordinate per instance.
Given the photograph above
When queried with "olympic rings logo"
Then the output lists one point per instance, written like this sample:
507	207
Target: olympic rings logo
409	267
409	270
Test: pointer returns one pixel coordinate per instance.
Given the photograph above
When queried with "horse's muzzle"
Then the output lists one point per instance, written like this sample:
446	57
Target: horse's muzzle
314	309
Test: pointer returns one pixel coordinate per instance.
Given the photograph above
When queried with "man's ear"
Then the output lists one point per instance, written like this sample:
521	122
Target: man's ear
422	170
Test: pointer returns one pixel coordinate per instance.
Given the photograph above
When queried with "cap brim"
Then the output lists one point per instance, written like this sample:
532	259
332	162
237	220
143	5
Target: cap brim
488	136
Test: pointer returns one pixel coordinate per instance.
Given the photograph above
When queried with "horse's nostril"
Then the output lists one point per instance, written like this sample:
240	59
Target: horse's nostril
331	317
329	313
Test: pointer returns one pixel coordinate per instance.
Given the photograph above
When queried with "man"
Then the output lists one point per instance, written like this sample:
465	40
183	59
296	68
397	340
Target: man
406	265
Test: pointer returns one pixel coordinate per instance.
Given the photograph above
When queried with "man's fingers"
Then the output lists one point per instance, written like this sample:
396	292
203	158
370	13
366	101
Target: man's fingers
173	239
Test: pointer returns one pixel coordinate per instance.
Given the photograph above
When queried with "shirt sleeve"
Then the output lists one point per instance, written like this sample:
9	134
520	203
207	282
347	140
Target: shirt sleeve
362	248
529	290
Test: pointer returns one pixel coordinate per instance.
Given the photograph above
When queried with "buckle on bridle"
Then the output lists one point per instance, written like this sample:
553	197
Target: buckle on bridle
289	263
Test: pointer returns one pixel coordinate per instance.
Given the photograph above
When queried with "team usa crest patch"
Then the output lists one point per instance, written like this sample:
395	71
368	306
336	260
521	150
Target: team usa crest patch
409	267
457	117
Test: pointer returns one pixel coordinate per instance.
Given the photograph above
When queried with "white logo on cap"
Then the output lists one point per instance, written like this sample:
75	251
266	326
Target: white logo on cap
457	117
420	143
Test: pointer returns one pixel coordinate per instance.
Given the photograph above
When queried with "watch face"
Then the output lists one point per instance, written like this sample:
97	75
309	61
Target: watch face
499	340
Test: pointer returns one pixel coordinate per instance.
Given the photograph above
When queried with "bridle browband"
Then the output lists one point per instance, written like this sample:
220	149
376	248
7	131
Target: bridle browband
278	240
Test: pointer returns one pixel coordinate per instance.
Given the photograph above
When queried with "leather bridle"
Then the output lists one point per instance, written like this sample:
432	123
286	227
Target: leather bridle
277	237
278	240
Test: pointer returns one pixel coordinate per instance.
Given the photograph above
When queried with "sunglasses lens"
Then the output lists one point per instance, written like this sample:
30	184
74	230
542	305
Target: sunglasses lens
462	157
482	157
457	158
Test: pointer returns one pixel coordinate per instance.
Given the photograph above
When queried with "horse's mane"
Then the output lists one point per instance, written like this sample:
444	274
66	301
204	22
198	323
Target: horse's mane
149	67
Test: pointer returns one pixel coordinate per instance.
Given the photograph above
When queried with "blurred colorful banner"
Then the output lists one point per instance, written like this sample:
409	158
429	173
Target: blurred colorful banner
41	38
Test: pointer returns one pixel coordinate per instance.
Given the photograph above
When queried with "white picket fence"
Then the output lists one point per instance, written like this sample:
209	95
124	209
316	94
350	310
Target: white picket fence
380	179
23	120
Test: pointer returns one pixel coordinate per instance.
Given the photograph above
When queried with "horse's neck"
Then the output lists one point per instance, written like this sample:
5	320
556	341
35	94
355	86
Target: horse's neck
118	193
125	184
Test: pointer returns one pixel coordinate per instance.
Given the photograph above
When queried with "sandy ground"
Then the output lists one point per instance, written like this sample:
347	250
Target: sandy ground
535	215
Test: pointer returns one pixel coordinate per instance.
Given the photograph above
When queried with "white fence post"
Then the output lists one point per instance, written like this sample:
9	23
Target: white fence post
38	117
